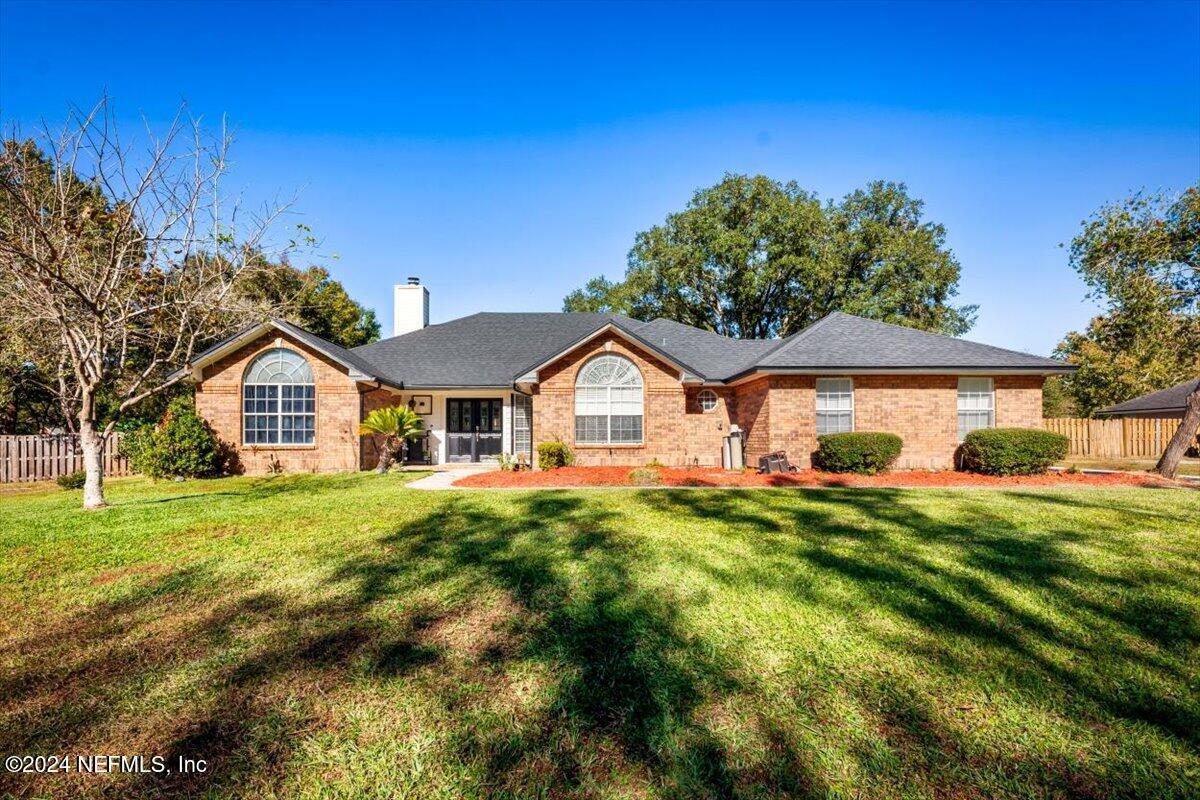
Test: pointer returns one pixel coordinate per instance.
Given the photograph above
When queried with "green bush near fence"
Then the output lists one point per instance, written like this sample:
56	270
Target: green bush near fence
1012	451
181	445
72	480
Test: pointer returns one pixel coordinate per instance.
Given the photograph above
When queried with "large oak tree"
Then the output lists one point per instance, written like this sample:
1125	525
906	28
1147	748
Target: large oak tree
753	258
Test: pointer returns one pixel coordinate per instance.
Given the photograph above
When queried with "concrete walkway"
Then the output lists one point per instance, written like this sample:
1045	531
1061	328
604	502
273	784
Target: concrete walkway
444	479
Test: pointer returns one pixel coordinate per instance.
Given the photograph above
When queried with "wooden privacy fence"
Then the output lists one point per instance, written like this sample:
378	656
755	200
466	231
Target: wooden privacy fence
1127	437
39	458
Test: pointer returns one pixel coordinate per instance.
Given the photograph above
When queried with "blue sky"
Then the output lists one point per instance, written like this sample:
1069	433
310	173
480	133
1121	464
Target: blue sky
507	153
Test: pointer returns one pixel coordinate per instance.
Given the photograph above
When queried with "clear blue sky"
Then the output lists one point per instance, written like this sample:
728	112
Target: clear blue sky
507	153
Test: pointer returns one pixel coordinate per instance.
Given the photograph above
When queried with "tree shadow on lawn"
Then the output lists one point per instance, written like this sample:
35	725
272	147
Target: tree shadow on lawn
1131	659
547	585
455	607
629	682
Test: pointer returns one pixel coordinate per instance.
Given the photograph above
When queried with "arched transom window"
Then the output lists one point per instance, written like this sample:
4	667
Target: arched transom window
279	400
608	402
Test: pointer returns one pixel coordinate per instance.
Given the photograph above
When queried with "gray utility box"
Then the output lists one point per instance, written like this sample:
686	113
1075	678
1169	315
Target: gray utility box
733	452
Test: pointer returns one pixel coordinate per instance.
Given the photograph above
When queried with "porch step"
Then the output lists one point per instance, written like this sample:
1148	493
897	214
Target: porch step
459	469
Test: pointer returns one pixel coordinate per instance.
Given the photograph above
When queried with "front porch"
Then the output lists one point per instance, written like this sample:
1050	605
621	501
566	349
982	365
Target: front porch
462	426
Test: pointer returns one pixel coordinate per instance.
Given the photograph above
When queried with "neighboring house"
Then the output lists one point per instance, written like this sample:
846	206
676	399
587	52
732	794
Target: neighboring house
1163	404
617	390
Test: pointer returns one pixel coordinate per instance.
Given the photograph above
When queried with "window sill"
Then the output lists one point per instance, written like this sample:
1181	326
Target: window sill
253	447
622	446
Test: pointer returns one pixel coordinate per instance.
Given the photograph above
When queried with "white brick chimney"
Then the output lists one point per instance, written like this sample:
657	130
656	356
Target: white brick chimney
410	308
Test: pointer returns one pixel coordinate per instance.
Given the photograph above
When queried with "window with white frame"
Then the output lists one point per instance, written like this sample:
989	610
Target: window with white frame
976	405
835	405
608	402
279	399
707	399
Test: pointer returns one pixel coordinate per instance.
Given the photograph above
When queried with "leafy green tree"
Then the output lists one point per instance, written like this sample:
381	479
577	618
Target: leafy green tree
753	258
1129	351
1141	259
1145	248
316	302
1056	400
28	400
391	426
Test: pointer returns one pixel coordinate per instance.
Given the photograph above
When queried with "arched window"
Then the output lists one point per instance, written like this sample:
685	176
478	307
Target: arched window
279	400
608	402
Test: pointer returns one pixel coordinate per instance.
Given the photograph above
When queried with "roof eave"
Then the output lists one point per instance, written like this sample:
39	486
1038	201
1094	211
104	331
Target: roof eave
193	370
1132	412
686	373
414	387
882	370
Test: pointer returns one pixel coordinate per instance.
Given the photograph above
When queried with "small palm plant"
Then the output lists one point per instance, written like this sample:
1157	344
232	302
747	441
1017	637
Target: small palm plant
391	427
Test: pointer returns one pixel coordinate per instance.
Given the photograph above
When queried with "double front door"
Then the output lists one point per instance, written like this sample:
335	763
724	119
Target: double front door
473	429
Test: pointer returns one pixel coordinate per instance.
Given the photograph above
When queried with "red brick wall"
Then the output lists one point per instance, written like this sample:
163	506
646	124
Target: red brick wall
219	400
921	409
754	417
675	430
1019	401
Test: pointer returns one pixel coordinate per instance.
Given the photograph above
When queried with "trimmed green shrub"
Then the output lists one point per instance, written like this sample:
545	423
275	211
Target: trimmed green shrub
180	445
1012	451
552	455
865	453
72	480
645	476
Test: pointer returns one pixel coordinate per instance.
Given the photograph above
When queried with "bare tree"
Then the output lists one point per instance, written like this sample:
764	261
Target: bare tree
119	261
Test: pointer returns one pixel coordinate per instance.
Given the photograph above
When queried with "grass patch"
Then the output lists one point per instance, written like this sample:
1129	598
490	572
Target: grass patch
341	636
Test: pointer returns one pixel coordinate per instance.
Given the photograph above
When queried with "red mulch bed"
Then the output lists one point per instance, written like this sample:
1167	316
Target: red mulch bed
619	476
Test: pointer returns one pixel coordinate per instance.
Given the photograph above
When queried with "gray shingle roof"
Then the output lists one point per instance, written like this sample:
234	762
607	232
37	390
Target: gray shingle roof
1171	399
845	341
486	349
494	349
714	356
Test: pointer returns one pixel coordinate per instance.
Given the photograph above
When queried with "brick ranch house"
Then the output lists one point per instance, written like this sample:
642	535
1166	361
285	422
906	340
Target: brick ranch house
619	391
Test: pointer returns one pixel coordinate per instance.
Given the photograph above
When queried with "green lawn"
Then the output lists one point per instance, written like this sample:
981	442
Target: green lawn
345	637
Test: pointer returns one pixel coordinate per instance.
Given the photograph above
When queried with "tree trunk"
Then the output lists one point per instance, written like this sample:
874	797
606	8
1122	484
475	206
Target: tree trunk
92	445
1184	437
385	456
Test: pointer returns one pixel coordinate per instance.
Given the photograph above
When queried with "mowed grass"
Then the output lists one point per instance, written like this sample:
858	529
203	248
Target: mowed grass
345	636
